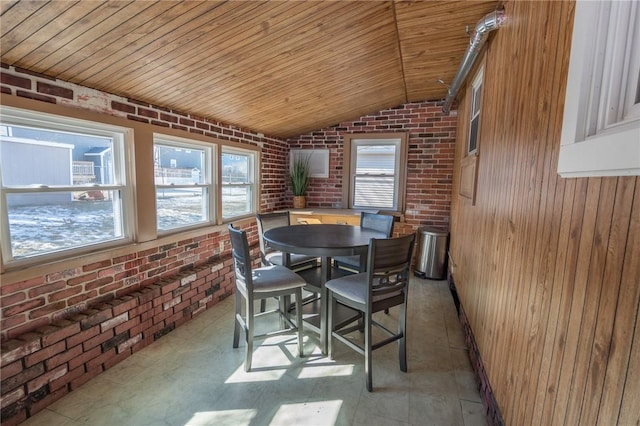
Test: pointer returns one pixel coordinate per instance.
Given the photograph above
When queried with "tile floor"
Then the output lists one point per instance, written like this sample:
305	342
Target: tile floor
193	376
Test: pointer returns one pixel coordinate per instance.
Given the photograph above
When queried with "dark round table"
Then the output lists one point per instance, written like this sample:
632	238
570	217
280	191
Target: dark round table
321	240
325	241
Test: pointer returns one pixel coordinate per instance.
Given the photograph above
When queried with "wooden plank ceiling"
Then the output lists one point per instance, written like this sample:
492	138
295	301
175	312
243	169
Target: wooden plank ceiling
282	68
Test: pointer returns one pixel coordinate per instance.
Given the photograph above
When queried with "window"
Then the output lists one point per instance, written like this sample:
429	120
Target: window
239	194
376	173
183	181
469	163
601	124
63	185
476	104
318	161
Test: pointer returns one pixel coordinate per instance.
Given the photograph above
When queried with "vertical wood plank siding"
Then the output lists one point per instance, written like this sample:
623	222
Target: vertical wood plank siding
547	269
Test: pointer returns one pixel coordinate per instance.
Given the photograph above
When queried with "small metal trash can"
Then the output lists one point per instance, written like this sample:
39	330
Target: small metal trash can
432	253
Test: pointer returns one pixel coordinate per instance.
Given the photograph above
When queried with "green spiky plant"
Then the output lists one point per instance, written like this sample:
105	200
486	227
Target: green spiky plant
299	175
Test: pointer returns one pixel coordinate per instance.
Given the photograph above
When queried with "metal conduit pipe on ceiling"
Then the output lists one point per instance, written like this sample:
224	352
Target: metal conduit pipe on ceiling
488	23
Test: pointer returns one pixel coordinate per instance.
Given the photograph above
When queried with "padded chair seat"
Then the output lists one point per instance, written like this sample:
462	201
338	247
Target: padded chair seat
274	278
276	258
355	287
378	222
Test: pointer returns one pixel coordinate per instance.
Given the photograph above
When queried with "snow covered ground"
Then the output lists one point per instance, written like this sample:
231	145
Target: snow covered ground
40	229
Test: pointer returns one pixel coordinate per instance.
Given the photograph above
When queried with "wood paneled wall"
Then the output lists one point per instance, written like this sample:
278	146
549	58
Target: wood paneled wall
547	269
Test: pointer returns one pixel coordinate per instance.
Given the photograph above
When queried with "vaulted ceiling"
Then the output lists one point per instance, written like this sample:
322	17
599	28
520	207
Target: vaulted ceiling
282	68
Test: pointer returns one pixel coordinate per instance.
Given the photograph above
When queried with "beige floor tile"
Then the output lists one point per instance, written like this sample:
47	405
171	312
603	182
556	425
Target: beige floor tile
193	376
427	409
473	413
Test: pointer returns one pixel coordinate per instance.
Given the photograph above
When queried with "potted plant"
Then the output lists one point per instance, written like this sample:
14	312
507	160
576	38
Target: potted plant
299	177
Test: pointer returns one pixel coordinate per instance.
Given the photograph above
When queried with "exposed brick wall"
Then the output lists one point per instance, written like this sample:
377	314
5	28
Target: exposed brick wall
38	301
432	136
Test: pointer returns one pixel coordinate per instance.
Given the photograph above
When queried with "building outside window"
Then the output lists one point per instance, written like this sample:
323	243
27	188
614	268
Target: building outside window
376	170
63	185
183	179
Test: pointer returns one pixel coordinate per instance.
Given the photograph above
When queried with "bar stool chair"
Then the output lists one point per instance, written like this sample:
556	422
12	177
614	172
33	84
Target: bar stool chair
270	256
378	222
254	284
385	284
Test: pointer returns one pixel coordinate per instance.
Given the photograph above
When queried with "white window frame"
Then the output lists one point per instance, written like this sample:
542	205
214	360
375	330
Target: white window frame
207	174
351	142
253	176
601	124
476	108
122	151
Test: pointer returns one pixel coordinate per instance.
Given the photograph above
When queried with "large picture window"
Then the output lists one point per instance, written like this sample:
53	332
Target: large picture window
183	180
239	192
63	185
376	171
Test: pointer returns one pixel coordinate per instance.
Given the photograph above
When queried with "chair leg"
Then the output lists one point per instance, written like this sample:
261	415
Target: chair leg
249	334
331	306
236	319
298	320
282	307
263	305
402	342
367	351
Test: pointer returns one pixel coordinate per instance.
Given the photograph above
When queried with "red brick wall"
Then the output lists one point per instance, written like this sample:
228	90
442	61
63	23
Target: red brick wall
432	136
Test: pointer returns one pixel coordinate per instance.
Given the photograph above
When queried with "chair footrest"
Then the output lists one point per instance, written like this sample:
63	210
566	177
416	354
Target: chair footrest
275	333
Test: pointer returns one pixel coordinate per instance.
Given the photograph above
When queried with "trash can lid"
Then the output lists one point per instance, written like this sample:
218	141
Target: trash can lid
433	231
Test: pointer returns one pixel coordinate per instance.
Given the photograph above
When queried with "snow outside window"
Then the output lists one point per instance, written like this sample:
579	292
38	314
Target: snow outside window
63	186
239	179
183	181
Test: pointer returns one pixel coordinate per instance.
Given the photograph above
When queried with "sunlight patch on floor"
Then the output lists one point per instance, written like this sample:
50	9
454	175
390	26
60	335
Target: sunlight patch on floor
256	375
316	371
226	417
321	412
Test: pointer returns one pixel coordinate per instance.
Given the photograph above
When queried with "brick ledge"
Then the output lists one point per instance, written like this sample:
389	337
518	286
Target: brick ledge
42	366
